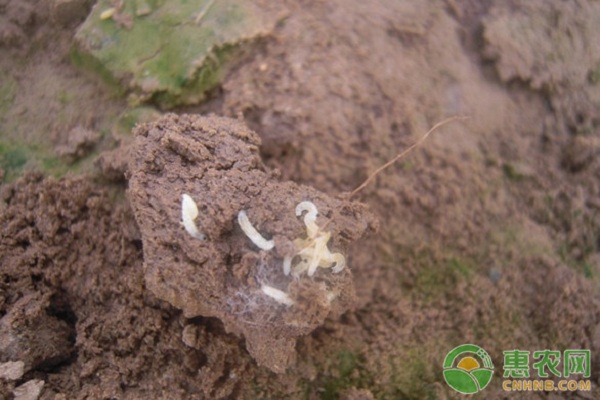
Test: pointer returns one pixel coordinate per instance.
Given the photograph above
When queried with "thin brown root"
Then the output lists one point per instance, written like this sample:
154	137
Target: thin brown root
393	160
405	152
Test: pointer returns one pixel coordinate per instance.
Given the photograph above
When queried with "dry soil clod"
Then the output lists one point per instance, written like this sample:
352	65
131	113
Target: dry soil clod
217	160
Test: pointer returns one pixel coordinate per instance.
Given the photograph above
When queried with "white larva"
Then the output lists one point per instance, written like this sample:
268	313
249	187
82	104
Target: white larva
278	295
287	265
310	219
340	262
189	213
253	234
108	13
319	250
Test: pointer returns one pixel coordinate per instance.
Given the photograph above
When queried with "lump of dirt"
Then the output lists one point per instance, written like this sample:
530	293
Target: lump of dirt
12	370
29	334
64	12
79	143
216	162
536	42
17	18
30	390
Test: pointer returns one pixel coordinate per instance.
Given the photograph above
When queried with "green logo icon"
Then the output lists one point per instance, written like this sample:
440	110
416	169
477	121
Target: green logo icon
463	370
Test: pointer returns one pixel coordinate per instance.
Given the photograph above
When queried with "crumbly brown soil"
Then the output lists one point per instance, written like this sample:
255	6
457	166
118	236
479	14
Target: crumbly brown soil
216	161
489	231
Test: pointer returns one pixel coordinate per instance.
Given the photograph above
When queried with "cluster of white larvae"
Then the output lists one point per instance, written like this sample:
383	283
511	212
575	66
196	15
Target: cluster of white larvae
312	251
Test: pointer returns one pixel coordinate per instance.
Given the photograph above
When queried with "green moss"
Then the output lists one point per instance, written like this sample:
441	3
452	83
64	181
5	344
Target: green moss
407	165
511	172
437	277
56	167
206	78
90	63
64	97
490	162
594	76
581	263
8	87
347	371
16	157
12	160
131	117
415	372
586	269
460	267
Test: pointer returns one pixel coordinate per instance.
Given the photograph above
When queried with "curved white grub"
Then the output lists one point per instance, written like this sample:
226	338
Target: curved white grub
253	234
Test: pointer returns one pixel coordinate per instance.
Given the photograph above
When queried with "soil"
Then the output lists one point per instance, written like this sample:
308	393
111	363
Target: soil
489	232
216	160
